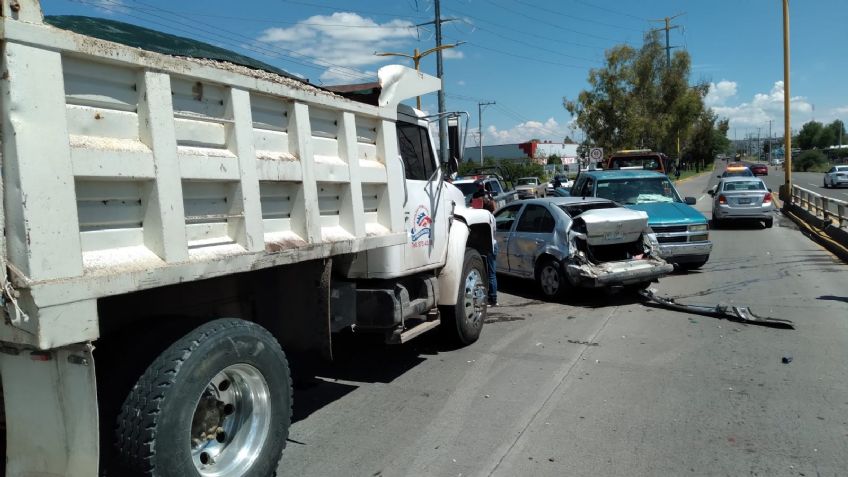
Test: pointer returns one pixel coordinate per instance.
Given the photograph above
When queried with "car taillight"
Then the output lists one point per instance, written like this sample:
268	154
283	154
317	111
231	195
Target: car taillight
722	199
767	198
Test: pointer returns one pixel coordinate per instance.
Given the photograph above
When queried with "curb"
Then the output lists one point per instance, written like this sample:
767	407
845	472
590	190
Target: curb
681	181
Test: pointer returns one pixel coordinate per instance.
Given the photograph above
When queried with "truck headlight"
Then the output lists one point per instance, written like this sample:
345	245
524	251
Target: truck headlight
698	228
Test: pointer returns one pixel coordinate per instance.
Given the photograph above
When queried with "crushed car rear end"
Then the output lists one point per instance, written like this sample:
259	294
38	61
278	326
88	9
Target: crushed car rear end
611	247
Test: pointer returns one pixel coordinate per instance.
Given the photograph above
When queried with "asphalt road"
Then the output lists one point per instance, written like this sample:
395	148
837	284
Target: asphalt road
603	385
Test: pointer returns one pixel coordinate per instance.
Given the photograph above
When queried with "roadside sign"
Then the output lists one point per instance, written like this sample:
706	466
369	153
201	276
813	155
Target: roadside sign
596	153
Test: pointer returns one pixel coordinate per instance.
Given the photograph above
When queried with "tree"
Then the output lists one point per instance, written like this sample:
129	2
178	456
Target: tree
809	135
837	129
637	101
568	140
554	159
814	161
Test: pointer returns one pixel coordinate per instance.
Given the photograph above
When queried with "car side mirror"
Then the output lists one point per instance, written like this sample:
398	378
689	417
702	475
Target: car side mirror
719	176
711	192
689	200
770	190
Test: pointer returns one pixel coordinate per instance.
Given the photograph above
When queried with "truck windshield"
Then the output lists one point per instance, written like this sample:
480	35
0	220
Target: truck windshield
467	188
527	181
638	191
648	163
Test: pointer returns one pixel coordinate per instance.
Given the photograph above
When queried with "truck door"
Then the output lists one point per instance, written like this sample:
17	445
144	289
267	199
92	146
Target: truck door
533	231
426	212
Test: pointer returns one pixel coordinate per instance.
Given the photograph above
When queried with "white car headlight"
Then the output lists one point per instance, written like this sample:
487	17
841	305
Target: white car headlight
698	228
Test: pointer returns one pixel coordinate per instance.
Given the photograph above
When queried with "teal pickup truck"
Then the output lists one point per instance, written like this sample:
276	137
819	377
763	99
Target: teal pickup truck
682	231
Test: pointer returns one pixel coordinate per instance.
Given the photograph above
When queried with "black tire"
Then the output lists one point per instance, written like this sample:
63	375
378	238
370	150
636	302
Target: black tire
694	265
551	279
717	223
462	323
824	184
158	420
769	222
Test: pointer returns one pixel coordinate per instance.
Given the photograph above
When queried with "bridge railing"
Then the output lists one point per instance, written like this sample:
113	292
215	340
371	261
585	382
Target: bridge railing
827	208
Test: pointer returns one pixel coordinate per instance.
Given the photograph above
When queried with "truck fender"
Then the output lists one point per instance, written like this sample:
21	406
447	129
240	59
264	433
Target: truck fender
450	275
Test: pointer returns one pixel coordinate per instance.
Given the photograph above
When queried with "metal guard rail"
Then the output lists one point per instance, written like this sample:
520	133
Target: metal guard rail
821	206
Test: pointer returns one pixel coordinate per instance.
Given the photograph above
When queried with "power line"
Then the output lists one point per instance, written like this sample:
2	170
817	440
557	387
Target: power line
216	36
552	24
524	57
609	10
502	36
534	35
350	10
585	20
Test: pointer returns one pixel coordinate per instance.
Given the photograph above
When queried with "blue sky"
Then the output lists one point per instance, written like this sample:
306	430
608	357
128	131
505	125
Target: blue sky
527	54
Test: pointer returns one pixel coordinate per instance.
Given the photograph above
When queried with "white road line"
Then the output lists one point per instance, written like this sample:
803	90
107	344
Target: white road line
702	197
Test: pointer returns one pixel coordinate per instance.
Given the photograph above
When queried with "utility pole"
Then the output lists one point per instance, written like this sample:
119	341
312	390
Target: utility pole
416	59
443	120
480	125
787	128
759	145
769	143
668	27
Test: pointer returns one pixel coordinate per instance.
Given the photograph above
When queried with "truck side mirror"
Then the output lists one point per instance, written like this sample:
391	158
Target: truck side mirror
453	165
711	192
690	200
454	142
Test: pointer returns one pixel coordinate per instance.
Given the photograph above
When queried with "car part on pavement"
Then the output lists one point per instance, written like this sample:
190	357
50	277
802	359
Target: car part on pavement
741	314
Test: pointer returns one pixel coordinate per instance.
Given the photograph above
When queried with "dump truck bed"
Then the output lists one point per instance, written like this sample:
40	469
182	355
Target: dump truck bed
125	169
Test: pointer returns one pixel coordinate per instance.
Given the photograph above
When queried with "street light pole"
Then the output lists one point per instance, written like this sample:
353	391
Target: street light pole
787	130
416	59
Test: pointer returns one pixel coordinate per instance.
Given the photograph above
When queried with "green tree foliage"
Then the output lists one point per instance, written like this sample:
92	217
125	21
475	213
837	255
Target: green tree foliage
637	101
812	160
554	159
815	135
708	137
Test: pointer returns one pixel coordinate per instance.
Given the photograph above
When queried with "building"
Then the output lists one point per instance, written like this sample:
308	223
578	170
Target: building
525	151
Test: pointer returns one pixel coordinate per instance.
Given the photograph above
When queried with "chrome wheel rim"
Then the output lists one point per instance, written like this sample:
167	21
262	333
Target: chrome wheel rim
475	297
549	279
231	422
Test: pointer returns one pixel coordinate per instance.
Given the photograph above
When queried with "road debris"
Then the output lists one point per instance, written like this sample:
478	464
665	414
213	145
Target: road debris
741	314
786	359
587	343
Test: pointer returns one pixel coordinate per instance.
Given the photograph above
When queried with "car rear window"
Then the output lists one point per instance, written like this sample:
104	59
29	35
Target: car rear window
744	185
573	210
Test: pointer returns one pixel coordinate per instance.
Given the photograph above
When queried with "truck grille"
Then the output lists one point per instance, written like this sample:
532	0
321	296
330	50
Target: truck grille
662	229
679	239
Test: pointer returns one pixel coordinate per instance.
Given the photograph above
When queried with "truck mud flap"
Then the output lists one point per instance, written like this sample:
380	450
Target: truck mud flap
741	314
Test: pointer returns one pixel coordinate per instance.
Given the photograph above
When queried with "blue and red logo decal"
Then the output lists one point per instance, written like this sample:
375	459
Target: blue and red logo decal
420	231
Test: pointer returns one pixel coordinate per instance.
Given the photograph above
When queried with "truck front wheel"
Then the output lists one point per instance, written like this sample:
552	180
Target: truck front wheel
461	323
216	403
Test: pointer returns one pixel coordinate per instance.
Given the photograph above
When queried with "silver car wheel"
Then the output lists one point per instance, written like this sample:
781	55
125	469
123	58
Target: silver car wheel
475	297
549	279
231	422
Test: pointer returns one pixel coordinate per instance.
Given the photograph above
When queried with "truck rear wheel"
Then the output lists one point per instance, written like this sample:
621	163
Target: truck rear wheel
216	403
462	323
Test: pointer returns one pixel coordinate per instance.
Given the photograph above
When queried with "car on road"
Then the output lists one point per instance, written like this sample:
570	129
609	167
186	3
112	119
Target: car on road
837	176
566	242
643	159
530	188
682	232
742	198
734	170
759	169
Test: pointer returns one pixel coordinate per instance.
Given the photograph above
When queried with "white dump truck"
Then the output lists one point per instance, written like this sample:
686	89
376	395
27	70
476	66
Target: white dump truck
174	228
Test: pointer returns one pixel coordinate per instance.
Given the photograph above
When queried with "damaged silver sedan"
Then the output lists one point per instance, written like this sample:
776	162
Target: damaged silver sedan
567	242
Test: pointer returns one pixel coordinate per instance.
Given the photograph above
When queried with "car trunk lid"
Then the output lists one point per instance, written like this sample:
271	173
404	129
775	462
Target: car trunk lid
612	226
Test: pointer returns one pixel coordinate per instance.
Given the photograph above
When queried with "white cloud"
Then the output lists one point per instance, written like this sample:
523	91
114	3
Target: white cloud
720	92
762	108
452	54
461	82
342	40
522	132
111	6
840	110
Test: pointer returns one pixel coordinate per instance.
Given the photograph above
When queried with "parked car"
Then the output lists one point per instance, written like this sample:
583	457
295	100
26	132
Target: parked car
682	231
566	242
837	176
530	188
643	159
759	169
742	198
468	186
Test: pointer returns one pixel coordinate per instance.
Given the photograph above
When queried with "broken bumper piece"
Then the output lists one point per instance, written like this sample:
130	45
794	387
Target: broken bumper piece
741	314
627	272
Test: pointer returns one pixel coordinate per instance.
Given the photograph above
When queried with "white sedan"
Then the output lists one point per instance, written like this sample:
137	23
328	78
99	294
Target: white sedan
836	176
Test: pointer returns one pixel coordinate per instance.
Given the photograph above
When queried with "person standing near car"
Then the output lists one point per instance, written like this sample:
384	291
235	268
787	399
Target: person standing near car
483	200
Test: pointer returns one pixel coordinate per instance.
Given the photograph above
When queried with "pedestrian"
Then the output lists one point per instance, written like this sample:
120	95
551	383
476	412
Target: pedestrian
492	257
677	172
478	198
